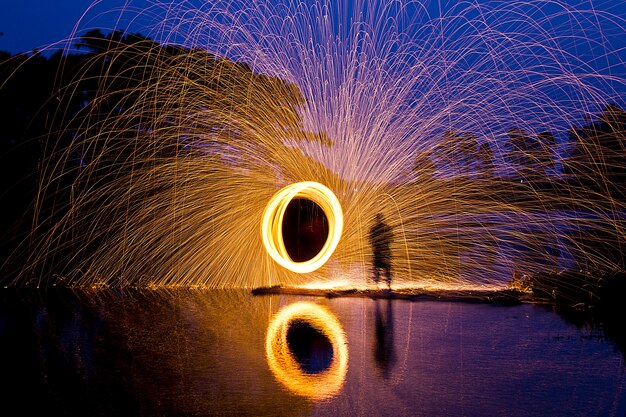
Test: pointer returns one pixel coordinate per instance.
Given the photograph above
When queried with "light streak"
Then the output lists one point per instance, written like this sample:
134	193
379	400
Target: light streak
284	366
272	224
400	108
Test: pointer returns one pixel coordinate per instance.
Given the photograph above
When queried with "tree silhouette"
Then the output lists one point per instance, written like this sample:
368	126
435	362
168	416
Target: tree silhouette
88	116
598	159
27	106
485	164
546	155
596	169
424	169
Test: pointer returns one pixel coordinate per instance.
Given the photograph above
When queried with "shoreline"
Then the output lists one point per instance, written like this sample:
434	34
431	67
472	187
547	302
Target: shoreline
502	297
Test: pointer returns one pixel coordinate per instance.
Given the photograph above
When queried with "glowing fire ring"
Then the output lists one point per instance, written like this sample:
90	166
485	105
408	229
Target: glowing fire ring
271	226
285	367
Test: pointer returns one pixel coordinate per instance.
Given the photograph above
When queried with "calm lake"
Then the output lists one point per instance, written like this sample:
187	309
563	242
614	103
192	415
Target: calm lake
226	352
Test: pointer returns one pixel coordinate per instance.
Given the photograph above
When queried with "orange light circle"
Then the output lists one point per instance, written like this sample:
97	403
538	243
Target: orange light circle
284	366
271	225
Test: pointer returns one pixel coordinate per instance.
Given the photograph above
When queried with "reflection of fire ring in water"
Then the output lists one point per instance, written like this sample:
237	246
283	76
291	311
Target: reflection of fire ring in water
286	368
272	223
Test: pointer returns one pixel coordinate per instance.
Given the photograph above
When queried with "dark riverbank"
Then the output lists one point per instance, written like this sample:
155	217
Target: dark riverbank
592	299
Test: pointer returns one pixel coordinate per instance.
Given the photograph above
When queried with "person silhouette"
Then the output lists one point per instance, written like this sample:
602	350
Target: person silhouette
380	238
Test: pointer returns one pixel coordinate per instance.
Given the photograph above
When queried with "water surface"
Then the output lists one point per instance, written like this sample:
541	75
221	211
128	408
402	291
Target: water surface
205	353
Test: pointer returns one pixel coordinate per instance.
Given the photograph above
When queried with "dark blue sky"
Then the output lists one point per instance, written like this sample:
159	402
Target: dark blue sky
28	24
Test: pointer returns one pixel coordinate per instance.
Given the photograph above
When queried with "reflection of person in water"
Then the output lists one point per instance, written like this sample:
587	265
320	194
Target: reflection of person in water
380	239
383	351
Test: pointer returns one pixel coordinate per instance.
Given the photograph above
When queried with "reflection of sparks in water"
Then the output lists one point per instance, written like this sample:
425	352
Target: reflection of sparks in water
322	385
359	284
272	223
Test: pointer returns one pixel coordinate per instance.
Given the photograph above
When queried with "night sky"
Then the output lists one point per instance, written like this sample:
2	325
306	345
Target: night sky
28	24
32	24
48	25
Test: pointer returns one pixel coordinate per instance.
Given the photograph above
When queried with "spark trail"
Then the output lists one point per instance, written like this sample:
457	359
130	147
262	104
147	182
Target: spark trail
420	112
